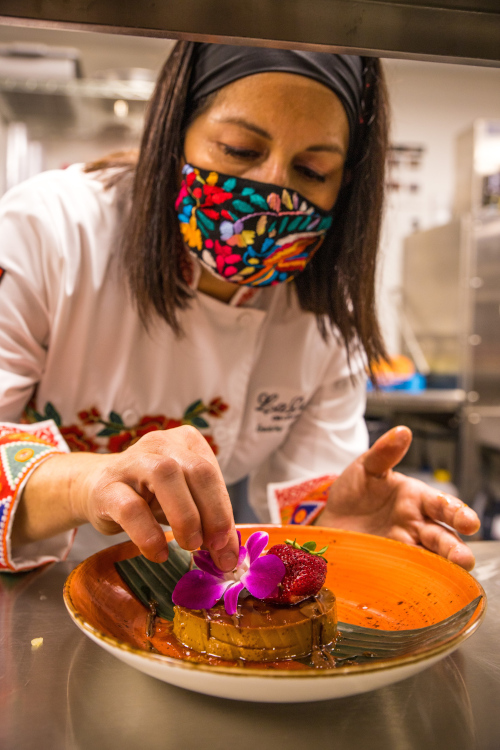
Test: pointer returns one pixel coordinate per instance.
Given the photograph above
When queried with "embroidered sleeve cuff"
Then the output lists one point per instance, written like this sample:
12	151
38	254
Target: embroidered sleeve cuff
298	501
22	449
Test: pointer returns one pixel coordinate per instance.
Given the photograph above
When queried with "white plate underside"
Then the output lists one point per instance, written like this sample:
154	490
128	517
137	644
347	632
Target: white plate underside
268	688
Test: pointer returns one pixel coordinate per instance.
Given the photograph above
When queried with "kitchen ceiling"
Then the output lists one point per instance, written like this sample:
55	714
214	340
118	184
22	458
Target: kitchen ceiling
443	30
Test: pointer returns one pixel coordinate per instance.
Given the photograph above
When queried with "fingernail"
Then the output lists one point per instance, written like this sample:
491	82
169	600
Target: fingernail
227	561
162	556
218	541
469	514
401	432
195	541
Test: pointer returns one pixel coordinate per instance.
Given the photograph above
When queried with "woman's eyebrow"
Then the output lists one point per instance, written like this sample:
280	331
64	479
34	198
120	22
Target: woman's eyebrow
248	125
332	148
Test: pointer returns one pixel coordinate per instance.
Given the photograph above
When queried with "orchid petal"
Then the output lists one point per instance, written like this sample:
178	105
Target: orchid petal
231	597
256	544
264	575
202	560
241	556
198	590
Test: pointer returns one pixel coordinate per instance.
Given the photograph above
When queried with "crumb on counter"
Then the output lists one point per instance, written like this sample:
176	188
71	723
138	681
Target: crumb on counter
36	643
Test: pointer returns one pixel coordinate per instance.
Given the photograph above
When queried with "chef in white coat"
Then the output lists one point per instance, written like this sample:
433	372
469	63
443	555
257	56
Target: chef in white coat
205	312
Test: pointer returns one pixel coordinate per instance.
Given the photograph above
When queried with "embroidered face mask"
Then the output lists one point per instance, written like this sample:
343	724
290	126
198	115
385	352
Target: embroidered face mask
246	232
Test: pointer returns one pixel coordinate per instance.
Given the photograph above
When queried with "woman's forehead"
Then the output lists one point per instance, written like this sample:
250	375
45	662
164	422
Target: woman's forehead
275	98
283	84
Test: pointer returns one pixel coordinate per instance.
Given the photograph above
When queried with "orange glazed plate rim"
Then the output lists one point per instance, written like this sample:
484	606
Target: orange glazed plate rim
429	653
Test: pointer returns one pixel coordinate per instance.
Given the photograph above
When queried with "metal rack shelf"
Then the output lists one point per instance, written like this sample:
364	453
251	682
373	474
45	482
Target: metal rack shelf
84	88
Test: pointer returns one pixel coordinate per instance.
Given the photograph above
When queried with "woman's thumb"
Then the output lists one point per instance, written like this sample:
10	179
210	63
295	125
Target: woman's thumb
387	451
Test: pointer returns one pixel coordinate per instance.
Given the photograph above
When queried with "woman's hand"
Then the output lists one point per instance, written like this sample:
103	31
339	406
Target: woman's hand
370	497
169	476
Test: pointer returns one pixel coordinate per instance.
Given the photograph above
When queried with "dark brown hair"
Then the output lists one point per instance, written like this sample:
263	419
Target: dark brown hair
338	285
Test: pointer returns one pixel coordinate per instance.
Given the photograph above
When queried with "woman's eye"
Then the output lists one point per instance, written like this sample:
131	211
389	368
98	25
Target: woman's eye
239	153
310	174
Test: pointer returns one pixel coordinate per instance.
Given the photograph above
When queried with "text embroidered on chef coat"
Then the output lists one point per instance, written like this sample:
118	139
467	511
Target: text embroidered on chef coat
275	413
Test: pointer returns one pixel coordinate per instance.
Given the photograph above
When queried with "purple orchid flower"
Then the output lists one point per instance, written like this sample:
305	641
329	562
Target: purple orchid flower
201	589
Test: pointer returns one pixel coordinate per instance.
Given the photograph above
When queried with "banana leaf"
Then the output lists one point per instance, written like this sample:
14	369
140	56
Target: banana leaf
155	582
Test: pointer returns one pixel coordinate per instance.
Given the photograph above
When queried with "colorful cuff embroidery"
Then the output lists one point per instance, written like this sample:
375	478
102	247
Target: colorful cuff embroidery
22	449
298	502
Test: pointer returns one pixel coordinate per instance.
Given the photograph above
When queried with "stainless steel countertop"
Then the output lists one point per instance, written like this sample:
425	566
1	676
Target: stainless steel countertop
72	694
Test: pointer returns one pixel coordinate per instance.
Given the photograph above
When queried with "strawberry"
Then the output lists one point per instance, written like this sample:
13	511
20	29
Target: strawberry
304	575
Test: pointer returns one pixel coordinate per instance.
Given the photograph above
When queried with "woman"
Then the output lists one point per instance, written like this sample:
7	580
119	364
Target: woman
145	309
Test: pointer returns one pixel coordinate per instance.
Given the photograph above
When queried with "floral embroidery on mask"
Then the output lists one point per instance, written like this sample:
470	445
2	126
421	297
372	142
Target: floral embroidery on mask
247	232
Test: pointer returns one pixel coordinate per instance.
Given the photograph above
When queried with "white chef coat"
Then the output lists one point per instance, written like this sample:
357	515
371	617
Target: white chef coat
69	329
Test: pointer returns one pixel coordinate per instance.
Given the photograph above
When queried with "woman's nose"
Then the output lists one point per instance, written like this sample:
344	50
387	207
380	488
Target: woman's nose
275	172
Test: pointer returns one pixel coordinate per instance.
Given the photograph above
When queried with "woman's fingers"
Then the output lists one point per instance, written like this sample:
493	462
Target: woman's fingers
133	514
438	539
387	451
195	500
178	469
450	510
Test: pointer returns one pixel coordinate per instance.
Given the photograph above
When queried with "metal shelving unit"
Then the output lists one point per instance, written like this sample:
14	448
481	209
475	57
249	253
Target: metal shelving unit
80	108
83	88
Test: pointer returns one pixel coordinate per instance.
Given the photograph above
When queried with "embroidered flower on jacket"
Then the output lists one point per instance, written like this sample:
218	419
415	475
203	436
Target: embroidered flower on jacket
217	407
77	440
121	436
124	440
89	416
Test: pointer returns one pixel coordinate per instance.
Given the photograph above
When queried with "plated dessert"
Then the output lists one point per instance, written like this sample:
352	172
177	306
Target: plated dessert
400	609
272	607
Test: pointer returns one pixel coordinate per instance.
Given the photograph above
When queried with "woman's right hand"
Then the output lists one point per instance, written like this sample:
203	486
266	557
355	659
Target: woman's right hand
169	476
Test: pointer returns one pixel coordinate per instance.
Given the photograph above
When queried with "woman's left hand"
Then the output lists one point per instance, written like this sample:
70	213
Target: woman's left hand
370	497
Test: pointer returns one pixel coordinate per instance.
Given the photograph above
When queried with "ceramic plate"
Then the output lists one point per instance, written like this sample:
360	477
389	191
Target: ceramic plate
379	584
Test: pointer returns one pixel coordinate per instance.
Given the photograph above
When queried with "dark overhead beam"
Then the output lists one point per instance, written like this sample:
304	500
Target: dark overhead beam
443	30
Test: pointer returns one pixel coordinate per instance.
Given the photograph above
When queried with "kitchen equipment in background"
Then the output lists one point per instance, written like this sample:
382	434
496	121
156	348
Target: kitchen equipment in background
51	116
404	168
33	60
477	188
23	67
431	296
480	460
125	109
78	108
451	299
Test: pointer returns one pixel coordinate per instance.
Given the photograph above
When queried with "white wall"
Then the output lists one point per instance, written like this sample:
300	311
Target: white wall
431	104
